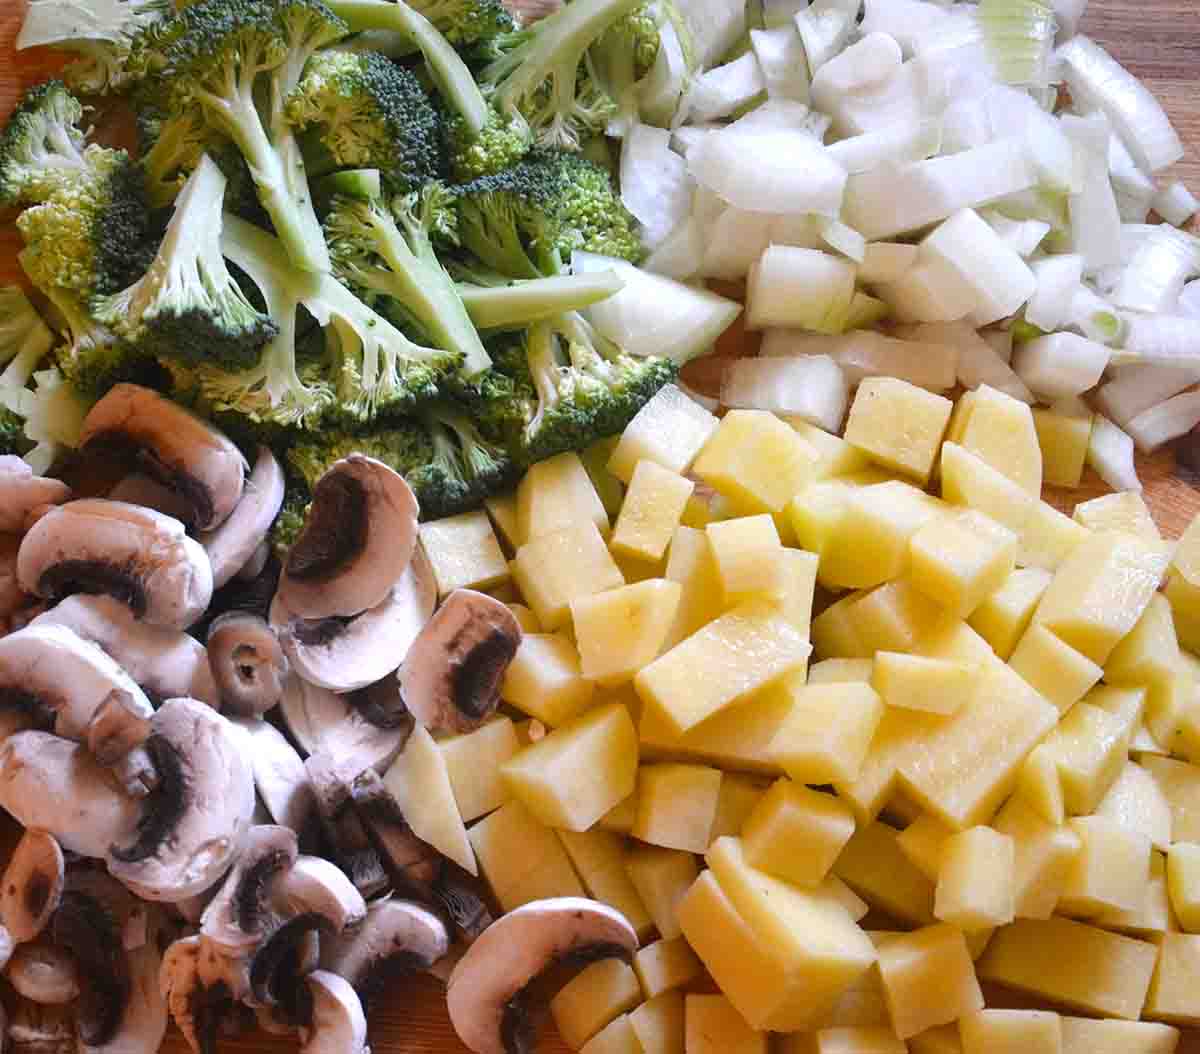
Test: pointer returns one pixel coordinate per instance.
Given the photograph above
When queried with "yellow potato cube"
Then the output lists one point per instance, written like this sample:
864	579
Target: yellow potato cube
845	1040
664	965
1011	1032
1073	964
1183	884
833	632
676	805
661	878
1153	914
941	1040
1180	785
1176	980
1110	872
556	568
599	859
1048	538
555	494
922	842
737	738
545	679
670	430
928	979
1040	786
1089	747
975	885
969	481
1136	802
1001	431
473	763
839	671
873	865
617	1037
1064	441
521	859
959	560
547	776
1100	592
913	682
1044	856
713	1026
1183	586
1149	654
1054	668
737	799
690	562
893	617
837	457
1124	511
697	513
796	833
745	551
619	819
798	583
1003	616
595	459
898	425
757	460
502	510
862	1005
1085	1035
463	552
650	512
722	663
525	617
659	1024
828	732
815	514
592	998
622	630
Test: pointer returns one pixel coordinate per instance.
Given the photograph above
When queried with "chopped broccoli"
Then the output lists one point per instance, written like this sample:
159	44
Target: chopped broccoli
43	147
526	221
228	58
502	304
24	341
12	433
626	53
501	143
290	521
388	254
94	358
187	305
372	113
467	22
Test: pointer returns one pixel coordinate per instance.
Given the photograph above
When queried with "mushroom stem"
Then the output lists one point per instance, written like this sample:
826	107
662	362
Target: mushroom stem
247	662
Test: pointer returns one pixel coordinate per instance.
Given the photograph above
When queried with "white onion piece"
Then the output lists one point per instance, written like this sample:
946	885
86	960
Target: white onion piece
1068	13
1110	454
1133	187
1058	278
1095	220
1094	317
933	291
722	91
777	115
899	98
842	239
781	60
1163	339
1059	365
776	13
714	26
825	27
865	353
978	363
679	254
1166	421
662	87
1163	260
733	242
1136	388
1176	204
886	261
812	387
1024	237
655	185
865	311
862	68
707	401
909	21
782	342
803	288
1001	342
895	143
1189	300
686	136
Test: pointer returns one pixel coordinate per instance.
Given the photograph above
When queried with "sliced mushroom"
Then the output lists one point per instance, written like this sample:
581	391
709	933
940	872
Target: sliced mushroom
316	886
254	567
197	1009
356	543
487	992
42	972
21	491
239	917
7	947
144	1023
331	780
12	596
137	489
38	1029
272	1021
56	785
128	914
165	663
247	662
192	824
231	545
172	446
345	655
337	1024
136	555
323	722
32	885
279	775
451	679
83	926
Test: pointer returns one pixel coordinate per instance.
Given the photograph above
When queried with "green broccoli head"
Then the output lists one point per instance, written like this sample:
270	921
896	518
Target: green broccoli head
503	141
467	23
290	521
43	148
12	433
626	52
372	113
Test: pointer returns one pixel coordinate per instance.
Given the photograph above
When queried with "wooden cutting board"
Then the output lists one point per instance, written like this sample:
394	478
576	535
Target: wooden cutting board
1158	39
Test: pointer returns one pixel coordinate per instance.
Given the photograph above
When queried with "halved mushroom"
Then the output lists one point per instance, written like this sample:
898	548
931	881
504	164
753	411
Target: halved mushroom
253	567
345	655
32	885
356	543
40	971
12	596
316	886
137	489
136	555
323	722
450	680
172	446
82	925
331	780
279	775
232	544
239	917
7	947
165	663
144	1022
192	824
38	1029
197	1008
21	491
129	914
247	662
487	992
336	1024
56	785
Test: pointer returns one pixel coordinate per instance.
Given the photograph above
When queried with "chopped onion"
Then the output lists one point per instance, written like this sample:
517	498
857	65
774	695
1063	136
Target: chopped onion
1000	341
862	68
1094	317
776	13
707	401
655	185
713	26
886	261
1110	454
723	91
1134	190
897	143
774	115
1163	339
733	242
1095	221
1020	36
1136	389
842	239
781	59
933	291
686	136
909	21
865	311
825	28
812	387
1176	204
679	254
1059	365
1058	278
900	97
1189	300
803	288
1166	421
1024	237
865	353
1155	274
663	86
1068	13
978	363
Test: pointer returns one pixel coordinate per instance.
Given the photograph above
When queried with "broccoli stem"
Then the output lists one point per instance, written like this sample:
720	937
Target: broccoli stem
454	79
517	305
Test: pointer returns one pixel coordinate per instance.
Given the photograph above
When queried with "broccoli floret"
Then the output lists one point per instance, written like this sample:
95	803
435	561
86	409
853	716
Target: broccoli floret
467	22
187	305
501	143
372	113
228	58
12	433
626	53
290	521
25	341
94	357
526	221
43	148
387	255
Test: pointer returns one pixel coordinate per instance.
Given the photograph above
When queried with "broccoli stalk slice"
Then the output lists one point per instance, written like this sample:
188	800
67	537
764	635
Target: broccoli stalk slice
452	76
515	305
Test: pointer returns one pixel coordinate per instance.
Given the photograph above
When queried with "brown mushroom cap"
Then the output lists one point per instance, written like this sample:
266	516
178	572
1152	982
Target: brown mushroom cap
21	492
231	545
32	885
12	596
42	972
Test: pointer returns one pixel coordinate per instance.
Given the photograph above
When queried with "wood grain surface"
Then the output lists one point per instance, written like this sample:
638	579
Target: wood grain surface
1158	39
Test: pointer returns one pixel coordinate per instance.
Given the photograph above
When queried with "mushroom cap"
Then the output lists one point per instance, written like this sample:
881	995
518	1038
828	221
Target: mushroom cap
37	1028
450	680
193	823
56	785
247	662
172	446
357	541
32	885
82	925
279	775
42	972
345	656
316	886
129	914
144	1023
165	663
338	1024
239	916
138	556
21	492
232	544
484	993
137	489
12	596
186	995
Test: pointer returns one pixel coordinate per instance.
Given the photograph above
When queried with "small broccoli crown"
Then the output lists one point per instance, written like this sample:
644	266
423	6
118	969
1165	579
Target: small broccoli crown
170	149
12	433
636	37
42	147
466	23
373	114
290	521
501	144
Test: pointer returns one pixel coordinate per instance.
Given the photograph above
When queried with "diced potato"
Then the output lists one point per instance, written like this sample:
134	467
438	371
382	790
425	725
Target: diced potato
959	560
1048	538
595	459
659	1024
893	617
691	564
834	635
745	551
941	1040
796	833
975	886
815	514
525	617
617	1037
839	671
545	679
698	512
621	630
873	865
1183	587
898	425
1064	441
928	979
661	878
556	494
1001	431
473	763
619	819
1054	668
1002	618
1110	872
592	998
463	552
828	732
1149	654
1073	964
737	738
502	509
1153	914
664	965
1089	747
852	1040
1011	1032
922	842
599	859
1085	1035
1180	784
913	682
722	663
862	1005
676	805
833	888
798	583
1124	511
837	457
1135	801
521	859
546	776
556	568
713	1026
670	430
1040	786
1176	980
737	799
758	460
650	512
969	481
1183	884
1100	592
